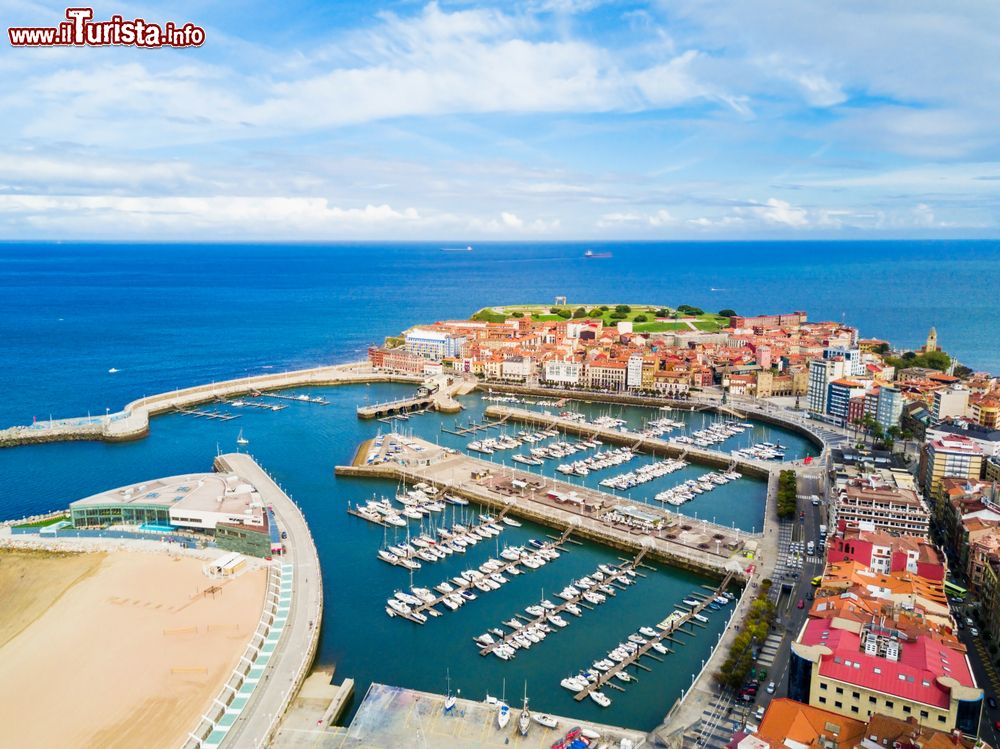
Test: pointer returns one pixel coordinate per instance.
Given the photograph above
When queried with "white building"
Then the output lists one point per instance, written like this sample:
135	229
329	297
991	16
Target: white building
821	373
563	372
633	372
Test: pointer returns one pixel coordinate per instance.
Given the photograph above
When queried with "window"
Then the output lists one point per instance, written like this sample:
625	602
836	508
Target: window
890	704
872	700
840	690
906	709
856	695
822	700
838	705
941	719
854	708
924	714
822	685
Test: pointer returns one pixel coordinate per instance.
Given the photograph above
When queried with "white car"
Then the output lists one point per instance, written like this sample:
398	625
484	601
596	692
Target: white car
770	688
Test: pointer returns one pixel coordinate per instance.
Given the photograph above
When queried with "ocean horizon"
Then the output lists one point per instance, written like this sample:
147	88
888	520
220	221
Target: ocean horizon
179	314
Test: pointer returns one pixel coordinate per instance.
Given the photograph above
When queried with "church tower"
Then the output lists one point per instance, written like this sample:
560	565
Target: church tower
932	344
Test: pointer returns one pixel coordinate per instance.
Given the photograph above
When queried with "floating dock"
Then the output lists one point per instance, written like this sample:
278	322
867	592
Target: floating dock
486	650
605	676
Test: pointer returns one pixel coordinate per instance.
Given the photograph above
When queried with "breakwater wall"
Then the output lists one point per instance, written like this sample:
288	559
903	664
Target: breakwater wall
132	422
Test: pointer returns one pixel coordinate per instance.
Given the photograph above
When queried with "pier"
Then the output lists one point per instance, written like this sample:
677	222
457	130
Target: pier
605	676
132	422
676	539
437	393
201	413
560	608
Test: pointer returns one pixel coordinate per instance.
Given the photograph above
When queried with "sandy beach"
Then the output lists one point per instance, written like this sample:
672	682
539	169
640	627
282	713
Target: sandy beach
124	649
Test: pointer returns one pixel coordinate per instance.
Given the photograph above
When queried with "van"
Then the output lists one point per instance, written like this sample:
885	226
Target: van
810	548
822	531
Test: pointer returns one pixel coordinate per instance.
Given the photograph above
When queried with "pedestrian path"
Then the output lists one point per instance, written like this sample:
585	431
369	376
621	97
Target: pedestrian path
253	664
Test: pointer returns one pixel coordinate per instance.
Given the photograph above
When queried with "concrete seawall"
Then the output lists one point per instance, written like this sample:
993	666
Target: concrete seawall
662	448
669	552
741	410
132	422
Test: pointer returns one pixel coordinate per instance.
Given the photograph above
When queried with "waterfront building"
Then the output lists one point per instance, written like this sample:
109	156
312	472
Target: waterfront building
871	504
839	395
560	372
222	505
952	456
889	408
821	373
606	375
433	344
517	369
859	670
633	372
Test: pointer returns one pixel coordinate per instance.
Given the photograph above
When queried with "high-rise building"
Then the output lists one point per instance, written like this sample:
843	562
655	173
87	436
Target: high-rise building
953	456
821	373
890	407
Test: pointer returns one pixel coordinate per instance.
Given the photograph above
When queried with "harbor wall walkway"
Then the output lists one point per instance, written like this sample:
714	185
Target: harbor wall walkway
132	422
295	651
453	476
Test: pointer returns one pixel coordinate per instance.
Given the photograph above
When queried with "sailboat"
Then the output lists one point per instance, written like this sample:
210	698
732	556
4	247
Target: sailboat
503	711
524	719
450	700
241	440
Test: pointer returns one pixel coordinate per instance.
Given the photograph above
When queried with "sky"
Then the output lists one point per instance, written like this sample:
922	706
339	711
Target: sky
524	119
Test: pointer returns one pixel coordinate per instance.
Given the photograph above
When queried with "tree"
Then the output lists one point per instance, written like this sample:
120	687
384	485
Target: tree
618	315
640	318
690	311
579	312
517	314
564	312
727	313
605	308
662	312
962	371
596	312
623	308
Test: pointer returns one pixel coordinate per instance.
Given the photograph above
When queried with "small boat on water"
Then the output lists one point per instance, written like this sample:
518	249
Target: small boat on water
241	440
600	698
113	370
511	522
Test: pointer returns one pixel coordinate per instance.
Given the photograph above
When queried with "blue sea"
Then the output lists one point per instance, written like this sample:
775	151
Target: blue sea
176	315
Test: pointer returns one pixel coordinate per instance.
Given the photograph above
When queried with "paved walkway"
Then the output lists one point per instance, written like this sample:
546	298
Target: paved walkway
294	651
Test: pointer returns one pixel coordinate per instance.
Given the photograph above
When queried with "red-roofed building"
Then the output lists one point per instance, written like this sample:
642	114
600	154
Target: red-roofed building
858	669
885	553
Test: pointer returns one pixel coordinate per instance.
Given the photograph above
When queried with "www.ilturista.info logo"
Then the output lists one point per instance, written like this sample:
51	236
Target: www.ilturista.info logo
80	30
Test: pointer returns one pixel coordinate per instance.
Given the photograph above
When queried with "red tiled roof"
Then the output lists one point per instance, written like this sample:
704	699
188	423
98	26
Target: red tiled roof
919	665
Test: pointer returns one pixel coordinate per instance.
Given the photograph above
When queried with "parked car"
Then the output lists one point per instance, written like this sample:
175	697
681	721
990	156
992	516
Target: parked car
770	688
801	603
973	631
759	715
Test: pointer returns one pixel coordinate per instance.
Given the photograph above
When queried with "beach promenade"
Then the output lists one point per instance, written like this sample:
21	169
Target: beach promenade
294	652
132	422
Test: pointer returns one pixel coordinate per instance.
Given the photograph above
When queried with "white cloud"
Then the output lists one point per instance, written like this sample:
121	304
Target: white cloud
782	212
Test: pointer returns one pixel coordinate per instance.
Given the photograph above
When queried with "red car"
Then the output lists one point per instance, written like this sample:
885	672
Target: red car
801	604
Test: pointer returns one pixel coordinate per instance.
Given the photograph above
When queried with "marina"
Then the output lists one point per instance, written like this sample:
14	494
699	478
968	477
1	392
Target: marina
549	614
353	572
694	615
